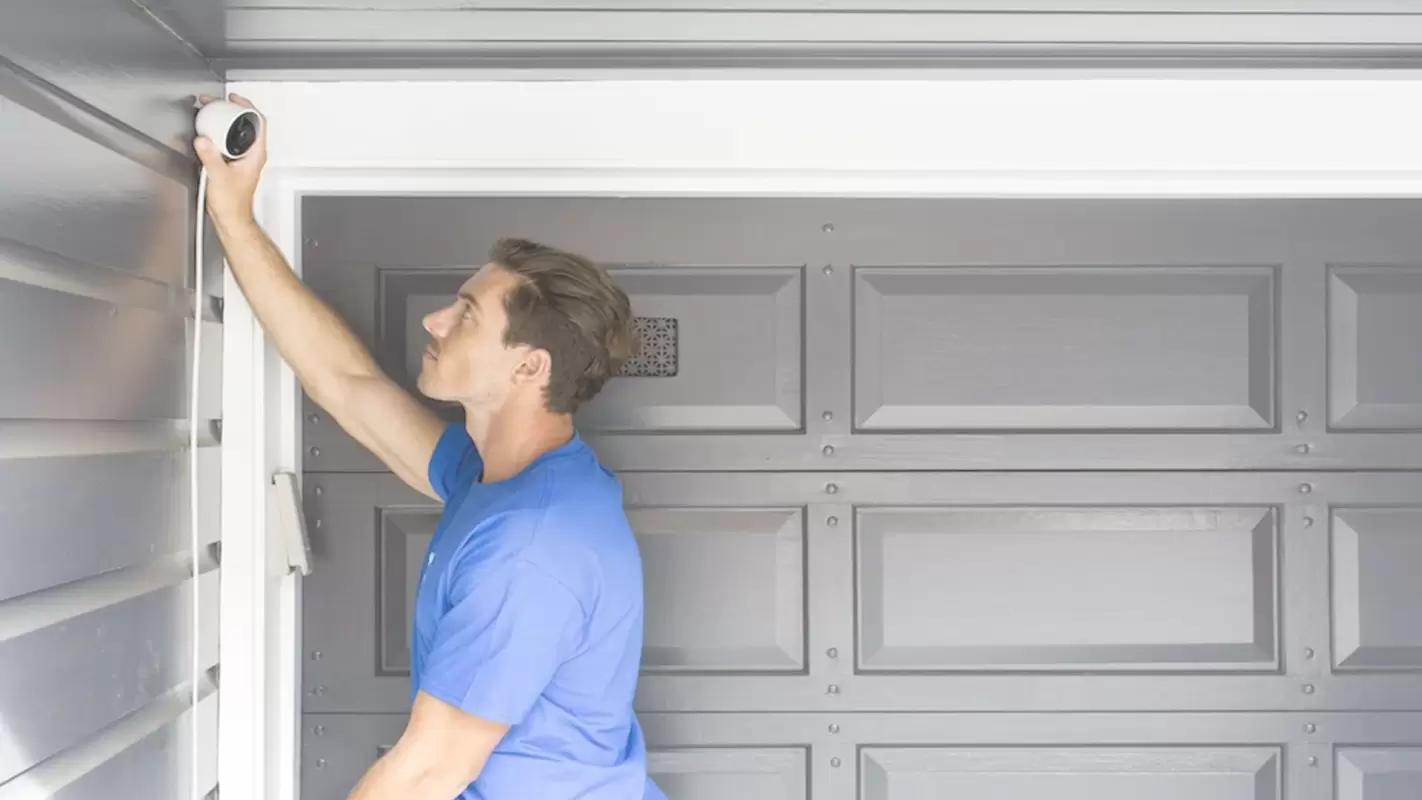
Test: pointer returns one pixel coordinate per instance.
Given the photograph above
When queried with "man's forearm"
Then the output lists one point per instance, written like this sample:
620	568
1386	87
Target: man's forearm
310	337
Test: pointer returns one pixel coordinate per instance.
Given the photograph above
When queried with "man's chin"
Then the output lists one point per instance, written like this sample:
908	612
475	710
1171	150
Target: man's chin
428	387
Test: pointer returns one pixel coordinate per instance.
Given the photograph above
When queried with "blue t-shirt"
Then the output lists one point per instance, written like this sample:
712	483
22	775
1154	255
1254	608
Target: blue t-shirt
529	612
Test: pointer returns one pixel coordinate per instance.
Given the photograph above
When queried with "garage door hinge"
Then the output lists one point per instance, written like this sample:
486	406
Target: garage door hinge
288	544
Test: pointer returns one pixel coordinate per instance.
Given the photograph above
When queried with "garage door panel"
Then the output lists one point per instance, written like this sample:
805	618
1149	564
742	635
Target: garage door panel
753	773
1376	553
1097	773
725	589
1379	773
1374	363
1067	589
405	536
1064	348
737	352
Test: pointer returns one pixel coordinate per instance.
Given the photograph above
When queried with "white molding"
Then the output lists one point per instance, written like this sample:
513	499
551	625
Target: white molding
259	729
999	138
282	222
944	137
243	631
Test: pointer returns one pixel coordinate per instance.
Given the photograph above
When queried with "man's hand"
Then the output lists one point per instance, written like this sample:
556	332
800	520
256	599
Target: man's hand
441	752
231	186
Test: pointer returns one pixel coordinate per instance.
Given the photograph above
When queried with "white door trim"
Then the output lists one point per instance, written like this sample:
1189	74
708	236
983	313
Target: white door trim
1197	137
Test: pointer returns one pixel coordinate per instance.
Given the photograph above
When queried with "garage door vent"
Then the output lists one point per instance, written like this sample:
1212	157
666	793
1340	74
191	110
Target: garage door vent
657	356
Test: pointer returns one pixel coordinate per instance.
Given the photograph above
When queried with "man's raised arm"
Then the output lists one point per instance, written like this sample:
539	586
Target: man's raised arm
335	369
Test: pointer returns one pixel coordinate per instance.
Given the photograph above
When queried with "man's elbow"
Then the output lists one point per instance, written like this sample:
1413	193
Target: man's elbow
435	772
462	768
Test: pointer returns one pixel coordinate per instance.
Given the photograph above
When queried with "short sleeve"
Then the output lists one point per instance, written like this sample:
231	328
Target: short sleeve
455	461
505	635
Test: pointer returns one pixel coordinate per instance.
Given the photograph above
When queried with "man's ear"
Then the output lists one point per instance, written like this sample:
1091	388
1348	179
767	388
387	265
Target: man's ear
535	367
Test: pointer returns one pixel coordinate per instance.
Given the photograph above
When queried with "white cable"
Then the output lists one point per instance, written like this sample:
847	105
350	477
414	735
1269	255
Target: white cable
193	487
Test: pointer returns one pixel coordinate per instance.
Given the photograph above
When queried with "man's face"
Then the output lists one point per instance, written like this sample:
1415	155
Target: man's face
466	360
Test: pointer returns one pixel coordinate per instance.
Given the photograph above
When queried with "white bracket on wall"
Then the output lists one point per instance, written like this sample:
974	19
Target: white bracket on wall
290	548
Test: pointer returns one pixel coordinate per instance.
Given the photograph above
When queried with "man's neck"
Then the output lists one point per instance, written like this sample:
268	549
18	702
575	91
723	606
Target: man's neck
509	439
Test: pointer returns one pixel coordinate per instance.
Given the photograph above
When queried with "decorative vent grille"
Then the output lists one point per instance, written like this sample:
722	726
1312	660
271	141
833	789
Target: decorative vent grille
657	355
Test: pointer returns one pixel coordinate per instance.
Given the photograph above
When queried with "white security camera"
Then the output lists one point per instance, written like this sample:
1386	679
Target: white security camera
232	128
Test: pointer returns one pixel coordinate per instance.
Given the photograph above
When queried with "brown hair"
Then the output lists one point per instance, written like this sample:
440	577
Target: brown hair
569	306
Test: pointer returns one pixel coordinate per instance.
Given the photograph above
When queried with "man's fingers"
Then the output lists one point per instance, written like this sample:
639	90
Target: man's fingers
241	101
207	153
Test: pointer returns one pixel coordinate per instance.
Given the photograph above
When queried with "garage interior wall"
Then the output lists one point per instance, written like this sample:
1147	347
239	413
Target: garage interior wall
947	498
97	188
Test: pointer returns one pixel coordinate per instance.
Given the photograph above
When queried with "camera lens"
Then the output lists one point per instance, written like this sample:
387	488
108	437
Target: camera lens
243	134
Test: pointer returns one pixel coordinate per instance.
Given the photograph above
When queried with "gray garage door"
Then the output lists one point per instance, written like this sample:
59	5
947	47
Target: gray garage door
951	499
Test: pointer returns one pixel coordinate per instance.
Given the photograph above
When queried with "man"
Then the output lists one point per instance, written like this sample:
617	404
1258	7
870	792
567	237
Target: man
527	629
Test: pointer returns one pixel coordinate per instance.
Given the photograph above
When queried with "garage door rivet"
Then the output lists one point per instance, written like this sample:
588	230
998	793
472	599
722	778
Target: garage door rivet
832	521
1303	449
316	451
834	727
317	490
1310	728
319	523
1308	522
315	655
1303	415
830	488
320	763
318	691
1313	761
829	450
1308	688
1305	488
319	730
833	652
827	416
833	689
834	762
828	227
1308	652
314	418
828	270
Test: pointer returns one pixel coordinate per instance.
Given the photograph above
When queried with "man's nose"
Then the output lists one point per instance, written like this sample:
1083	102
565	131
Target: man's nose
435	322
